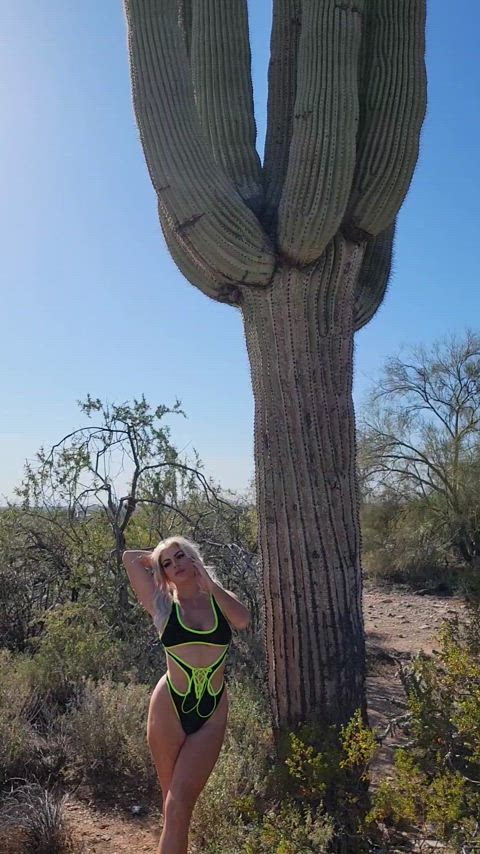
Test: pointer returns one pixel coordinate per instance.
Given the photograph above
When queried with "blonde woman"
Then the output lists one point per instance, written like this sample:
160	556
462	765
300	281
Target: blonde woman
187	717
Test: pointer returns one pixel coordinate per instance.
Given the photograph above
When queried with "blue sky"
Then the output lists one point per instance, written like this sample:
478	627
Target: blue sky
91	300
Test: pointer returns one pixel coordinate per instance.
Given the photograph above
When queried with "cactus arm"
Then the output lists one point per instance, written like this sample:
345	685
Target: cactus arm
322	150
282	80
392	110
194	193
374	276
221	74
190	265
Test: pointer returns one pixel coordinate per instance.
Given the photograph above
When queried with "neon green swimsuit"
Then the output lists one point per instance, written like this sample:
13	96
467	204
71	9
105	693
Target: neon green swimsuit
199	701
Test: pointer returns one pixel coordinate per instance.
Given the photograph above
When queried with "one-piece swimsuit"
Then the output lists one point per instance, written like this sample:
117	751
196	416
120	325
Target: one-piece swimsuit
198	703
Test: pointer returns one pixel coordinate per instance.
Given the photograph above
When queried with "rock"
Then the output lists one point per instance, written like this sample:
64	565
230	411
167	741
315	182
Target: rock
138	810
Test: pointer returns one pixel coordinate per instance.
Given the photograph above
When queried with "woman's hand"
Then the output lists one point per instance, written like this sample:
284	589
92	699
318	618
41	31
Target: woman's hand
205	583
145	559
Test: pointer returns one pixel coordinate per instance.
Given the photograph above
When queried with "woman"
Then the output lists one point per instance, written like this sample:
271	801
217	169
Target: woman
187	717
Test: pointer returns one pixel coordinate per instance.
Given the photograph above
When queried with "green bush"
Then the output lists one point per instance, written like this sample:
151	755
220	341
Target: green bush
18	741
258	803
76	642
400	544
437	779
293	829
327	771
106	735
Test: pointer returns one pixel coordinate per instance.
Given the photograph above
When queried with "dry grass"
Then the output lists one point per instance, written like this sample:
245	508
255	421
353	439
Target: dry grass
106	736
33	821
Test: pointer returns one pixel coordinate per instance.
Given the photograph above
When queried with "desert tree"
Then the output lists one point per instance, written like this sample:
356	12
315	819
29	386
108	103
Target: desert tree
419	438
88	485
301	244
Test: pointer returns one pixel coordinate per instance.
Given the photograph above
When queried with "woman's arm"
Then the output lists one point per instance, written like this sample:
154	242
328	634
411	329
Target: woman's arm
136	562
236	613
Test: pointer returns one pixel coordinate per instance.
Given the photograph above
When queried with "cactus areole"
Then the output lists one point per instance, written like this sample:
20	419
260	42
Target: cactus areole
302	246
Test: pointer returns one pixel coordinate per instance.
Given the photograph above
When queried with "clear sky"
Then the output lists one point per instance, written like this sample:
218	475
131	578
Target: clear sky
92	302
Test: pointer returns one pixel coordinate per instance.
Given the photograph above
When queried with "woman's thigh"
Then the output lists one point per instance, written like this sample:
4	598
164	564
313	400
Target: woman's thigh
165	733
197	757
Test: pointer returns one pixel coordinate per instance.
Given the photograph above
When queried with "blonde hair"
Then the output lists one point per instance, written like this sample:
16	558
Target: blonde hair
166	591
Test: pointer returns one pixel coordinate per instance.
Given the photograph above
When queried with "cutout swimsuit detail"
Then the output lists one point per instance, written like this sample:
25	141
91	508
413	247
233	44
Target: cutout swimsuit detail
198	703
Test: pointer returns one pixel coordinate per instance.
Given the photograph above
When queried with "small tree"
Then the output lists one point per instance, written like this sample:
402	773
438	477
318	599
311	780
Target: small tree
420	441
87	486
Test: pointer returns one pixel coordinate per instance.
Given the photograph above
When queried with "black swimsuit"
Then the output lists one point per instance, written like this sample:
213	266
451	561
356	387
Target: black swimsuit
199	701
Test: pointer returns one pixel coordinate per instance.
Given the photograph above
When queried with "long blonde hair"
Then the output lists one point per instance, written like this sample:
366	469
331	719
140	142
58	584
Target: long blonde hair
166	591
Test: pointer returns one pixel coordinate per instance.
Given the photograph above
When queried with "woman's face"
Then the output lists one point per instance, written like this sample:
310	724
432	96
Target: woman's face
176	564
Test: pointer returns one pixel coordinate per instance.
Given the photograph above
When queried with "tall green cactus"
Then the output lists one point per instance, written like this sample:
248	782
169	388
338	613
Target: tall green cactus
302	245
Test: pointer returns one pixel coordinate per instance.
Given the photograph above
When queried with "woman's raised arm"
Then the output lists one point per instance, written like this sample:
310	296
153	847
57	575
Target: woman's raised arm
136	562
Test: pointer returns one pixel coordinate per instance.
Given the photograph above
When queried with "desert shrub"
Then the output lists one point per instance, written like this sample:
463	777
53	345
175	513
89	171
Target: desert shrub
321	762
285	829
237	810
31	743
76	642
247	660
106	735
437	778
18	743
40	817
326	769
293	829
239	782
401	544
444	699
142	652
259	801
439	804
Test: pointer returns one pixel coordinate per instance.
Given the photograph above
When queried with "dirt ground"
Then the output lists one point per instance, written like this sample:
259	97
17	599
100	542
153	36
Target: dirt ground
398	624
116	832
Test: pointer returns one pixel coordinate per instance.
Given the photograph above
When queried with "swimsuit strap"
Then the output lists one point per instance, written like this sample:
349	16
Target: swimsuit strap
186	667
198	676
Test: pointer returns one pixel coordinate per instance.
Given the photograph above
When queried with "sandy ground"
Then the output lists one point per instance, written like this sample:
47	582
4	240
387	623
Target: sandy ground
114	832
398	625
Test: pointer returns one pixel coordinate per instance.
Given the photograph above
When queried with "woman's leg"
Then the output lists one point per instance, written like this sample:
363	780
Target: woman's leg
165	735
194	764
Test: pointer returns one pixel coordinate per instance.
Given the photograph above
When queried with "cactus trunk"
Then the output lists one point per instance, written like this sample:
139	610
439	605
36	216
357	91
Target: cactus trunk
301	362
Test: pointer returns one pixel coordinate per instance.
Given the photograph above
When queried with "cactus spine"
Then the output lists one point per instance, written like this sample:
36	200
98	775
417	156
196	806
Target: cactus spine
302	245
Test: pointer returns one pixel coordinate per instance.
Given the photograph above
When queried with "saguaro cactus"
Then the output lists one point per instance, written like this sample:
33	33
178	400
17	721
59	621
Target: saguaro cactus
302	246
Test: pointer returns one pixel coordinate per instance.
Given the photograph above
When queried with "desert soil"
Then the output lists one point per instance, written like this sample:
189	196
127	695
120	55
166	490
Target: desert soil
398	625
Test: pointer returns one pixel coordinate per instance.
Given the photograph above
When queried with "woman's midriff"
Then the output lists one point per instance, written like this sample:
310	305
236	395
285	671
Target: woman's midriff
195	656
